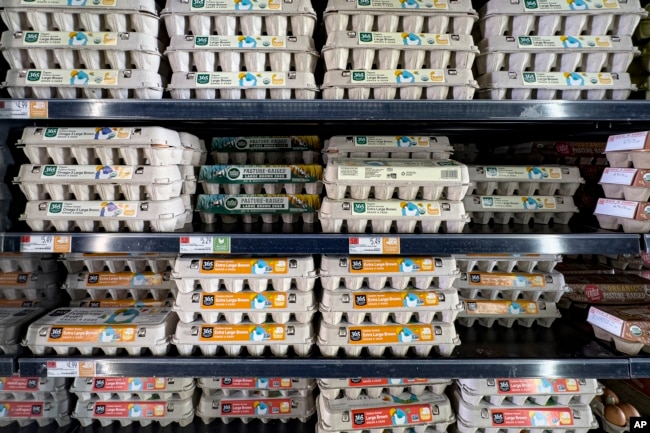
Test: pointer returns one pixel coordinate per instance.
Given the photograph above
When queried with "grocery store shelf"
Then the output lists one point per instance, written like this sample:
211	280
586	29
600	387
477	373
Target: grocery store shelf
235	426
8	365
639	367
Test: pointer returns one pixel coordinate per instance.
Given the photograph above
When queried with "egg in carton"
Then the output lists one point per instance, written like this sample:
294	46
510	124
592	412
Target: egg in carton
33	388
118	262
606	424
507	262
375	387
149	145
29	285
407	84
546	286
127	388
520	208
79	49
570	86
266	149
632	216
119	285
377	338
27	262
43	411
144	412
44	15
525	180
67	330
254	338
12	323
235	308
210	273
243	85
631	184
89	302
506	313
248	208
250	386
274	17
625	262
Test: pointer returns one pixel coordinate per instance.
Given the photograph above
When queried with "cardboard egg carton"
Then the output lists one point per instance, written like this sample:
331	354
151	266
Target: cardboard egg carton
615	289
598	408
119	285
79	49
33	388
351	216
43	411
84	84
625	262
249	208
506	313
376	146
27	262
195	152
570	86
376	387
156	262
251	386
632	216
520	208
255	179
383	50
266	150
507	262
106	412
278	338
29	285
546	286
189	174
352	339
414	84
12	323
89	302
128	388
120	16
67	330
525	180
639	159
626	183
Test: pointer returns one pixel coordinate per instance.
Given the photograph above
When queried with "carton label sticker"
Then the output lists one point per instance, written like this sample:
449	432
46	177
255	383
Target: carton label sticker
86	134
129	409
527	203
396	209
398	415
243	301
388	141
242	333
123	303
388	265
389	334
235	5
12	279
259	144
618	176
504	279
619	208
92	334
72	3
252	266
400	77
572	6
17	303
87	172
405	171
606	321
567	79
102	209
225	204
537	386
20	384
123	279
631	141
401	300
368	382
241	41
126	384
256	383
403	39
501	307
73	77
244	174
567	42
523	173
223	80
403	4
506	418
71	39
21	409
259	407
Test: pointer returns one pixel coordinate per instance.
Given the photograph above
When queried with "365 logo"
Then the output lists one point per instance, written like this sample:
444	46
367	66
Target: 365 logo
51	132
49	170
56	207
364	2
34	75
202	79
358	76
525	40
207	265
531	4
530	77
361	140
201	41
197	4
56	333
360	208
31	37
365	37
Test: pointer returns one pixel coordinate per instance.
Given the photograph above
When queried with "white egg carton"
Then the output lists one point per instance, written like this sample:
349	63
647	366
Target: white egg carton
67	330
555	85
119	285
632	216
211	273
120	303
401	414
45	15
638	159
155	262
377	386
252	179
556	53
506	313
194	151
27	262
557	17
33	388
382	179
546	286
127	388
255	338
378	146
414	84
249	208
112	216
29	285
144	412
433	16
520	208
507	262
382	215
266	150
79	49
12	322
43	411
189	174
626	183
377	338
84	83
263	386
525	180
389	305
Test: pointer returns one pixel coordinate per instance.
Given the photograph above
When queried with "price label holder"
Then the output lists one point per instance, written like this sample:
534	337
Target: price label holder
69	368
205	245
45	244
23	109
373	245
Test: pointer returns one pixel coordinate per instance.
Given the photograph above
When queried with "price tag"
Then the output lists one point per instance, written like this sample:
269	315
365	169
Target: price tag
619	208
23	109
374	245
70	368
204	245
631	141
45	244
618	176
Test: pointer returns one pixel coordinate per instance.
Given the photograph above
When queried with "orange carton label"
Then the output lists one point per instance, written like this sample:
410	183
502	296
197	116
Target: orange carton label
367	382
557	417
411	414
501	307
504	279
244	266
130	279
260	407
92	334
383	265
397	300
243	301
537	386
242	333
129	409
390	334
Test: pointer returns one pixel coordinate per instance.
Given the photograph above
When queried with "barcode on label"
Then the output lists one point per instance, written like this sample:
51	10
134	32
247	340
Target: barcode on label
449	174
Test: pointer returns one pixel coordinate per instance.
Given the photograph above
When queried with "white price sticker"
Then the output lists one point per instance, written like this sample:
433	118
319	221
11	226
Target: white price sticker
618	176
619	208
631	141
45	244
374	245
204	245
70	368
23	109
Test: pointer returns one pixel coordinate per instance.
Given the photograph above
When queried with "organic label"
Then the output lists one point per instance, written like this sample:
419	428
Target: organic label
401	415
400	77
257	203
255	383
403	171
503	279
260	407
521	172
567	79
631	141
565	41
241	41
72	3
243	301
245	174
399	300
619	208
242	333
529	203
72	39
252	266
129	409
103	209
386	141
408	334
257	144
235	5
402	39
86	134
222	80
92	334
396	208
20	384
87	172
21	409
124	279
125	384
373	245
73	77
500	307
573	5
618	176
387	265
507	418
402	4
367	382
537	386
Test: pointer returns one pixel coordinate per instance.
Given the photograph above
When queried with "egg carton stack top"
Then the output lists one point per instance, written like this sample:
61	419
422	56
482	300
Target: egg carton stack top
507	312
126	388
376	146
266	150
520	207
144	412
507	262
632	216
35	285
42	410
27	262
252	179
119	285
374	387
12	323
546	286
263	386
625	262
522	180
28	388
628	150
626	326
631	184
116	262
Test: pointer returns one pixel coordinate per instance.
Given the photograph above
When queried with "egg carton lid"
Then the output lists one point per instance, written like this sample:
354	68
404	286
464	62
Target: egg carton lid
117	256
543	44
630	323
223	301
146	136
266	7
515	386
392	210
244	267
117	6
121	303
235	80
41	408
379	382
241	204
518	203
522	173
251	173
259	383
170	409
396	7
90	174
511	257
379	143
555	80
370	334
536	281
389	300
221	333
266	143
105	316
124	384
28	280
389	78
558	7
501	308
121	280
265	44
396	40
415	266
110	78
238	405
12	320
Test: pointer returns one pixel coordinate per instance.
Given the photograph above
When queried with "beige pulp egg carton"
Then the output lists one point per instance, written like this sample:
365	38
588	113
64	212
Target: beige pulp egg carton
598	408
385	50
84	83
80	49
119	285
262	386
519	391
555	85
127	388
249	208
399	414
632	158
507	262
194	151
143	412
522	208
266	150
351	339
352	272
626	326
255	179
608	289
626	183
625	262
67	330
625	150
28	285
33	388
189	176
389	305
546	286
254	338
375	387
378	146
12	323
211	53
406	216
107	15
413	84
525	180
506	313
431	16
43	411
632	216
89	302
27	262
234	274
118	262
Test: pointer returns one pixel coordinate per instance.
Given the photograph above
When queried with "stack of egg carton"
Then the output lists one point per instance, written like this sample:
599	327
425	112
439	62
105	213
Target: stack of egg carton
536	405
406	49
75	49
5	194
114	178
509	288
416	310
557	49
269	177
25	400
247	302
241	49
255	398
134	399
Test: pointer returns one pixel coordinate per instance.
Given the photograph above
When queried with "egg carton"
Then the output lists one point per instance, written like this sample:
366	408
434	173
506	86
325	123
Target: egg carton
252	179
29	285
507	313
401	414
376	387
89	302
45	15
525	180
27	262
598	409
12	322
520	208
255	338
626	326
33	388
43	411
545	286
263	386
227	307
103	182
106	412
116	262
387	215
112	216
629	347
507	262
435	16
377	146
639	159
150	145
414	84
383	179
555	85
608	289
266	149
377	338
189	175
632	216
67	330
255	406
194	151
626	183
249	208
79	49
128	388
576	267
119	285
395	306
84	84
625	262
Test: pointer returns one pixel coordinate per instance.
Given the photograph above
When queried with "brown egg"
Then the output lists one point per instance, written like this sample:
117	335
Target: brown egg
628	410
609	397
615	415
